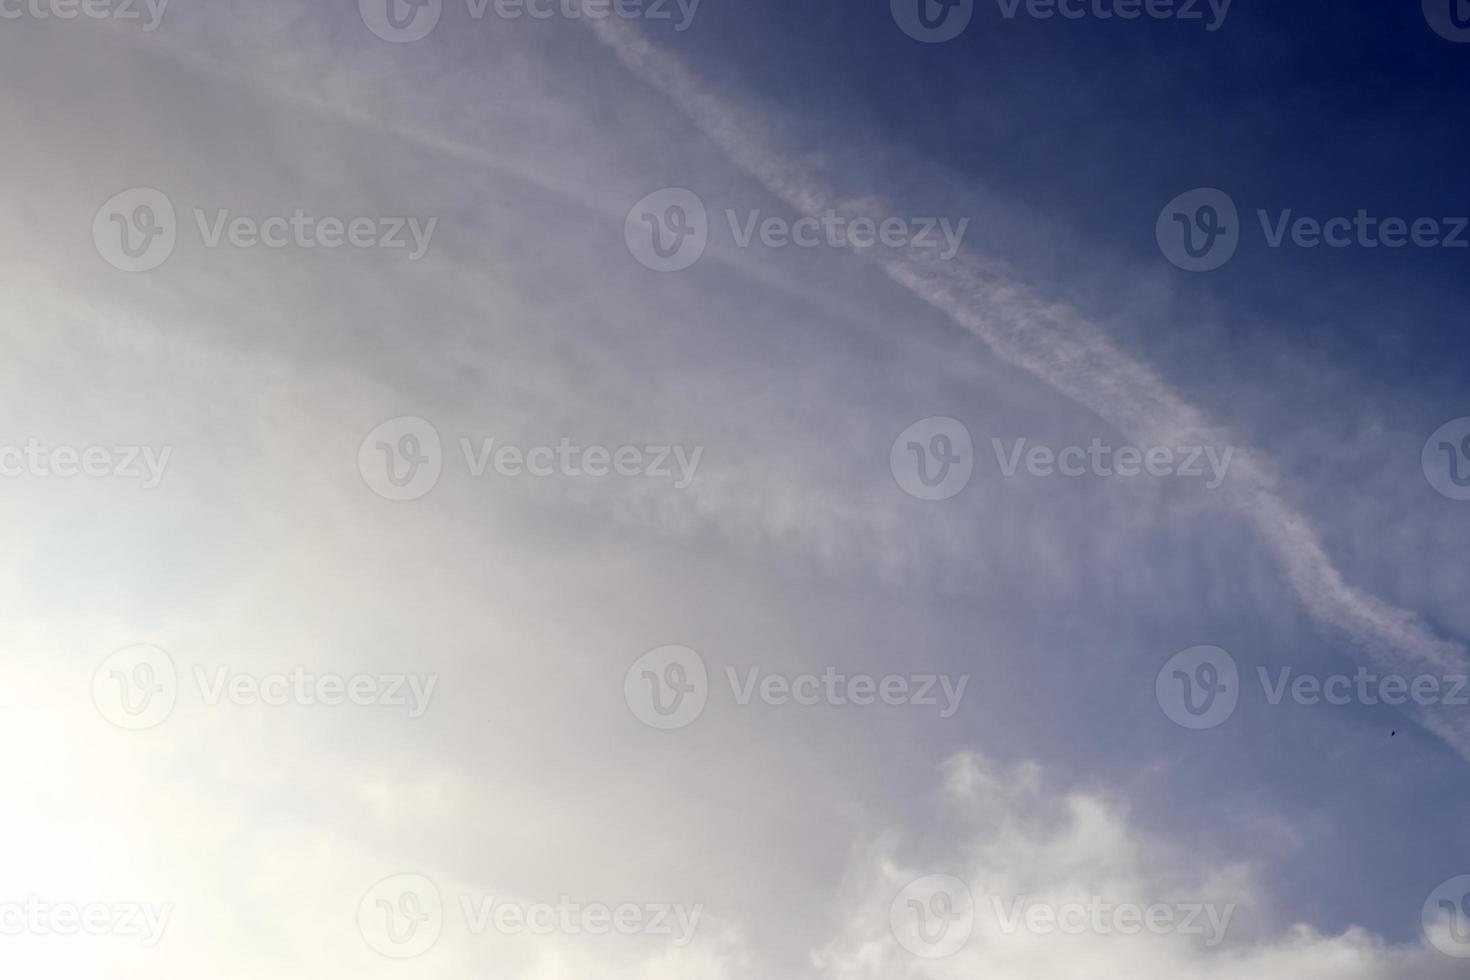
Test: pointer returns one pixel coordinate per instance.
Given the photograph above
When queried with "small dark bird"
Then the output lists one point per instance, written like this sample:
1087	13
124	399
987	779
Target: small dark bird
1393	733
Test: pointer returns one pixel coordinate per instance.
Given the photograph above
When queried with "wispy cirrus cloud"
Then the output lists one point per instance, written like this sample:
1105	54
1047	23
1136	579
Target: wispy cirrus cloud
1055	343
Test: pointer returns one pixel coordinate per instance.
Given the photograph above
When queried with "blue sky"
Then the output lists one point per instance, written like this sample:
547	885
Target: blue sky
331	499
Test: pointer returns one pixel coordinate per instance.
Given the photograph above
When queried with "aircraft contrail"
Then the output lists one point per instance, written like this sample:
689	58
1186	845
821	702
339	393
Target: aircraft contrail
1057	344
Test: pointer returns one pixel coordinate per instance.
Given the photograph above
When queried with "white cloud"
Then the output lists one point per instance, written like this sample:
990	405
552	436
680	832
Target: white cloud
1016	842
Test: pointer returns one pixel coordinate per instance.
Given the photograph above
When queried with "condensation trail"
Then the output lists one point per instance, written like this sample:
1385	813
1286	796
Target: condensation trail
1060	346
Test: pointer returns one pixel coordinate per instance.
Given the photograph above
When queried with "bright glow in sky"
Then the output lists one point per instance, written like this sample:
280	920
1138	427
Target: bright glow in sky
705	490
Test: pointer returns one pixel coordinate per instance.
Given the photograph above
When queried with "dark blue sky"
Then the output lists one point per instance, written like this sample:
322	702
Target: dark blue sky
295	386
1323	108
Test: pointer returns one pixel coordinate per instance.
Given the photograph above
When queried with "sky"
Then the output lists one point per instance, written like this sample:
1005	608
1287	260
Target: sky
713	490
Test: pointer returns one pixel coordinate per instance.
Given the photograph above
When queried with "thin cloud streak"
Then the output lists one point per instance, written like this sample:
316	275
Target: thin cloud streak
1058	345
259	82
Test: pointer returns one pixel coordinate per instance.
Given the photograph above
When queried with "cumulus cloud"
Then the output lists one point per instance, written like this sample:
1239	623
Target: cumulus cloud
1060	883
264	549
